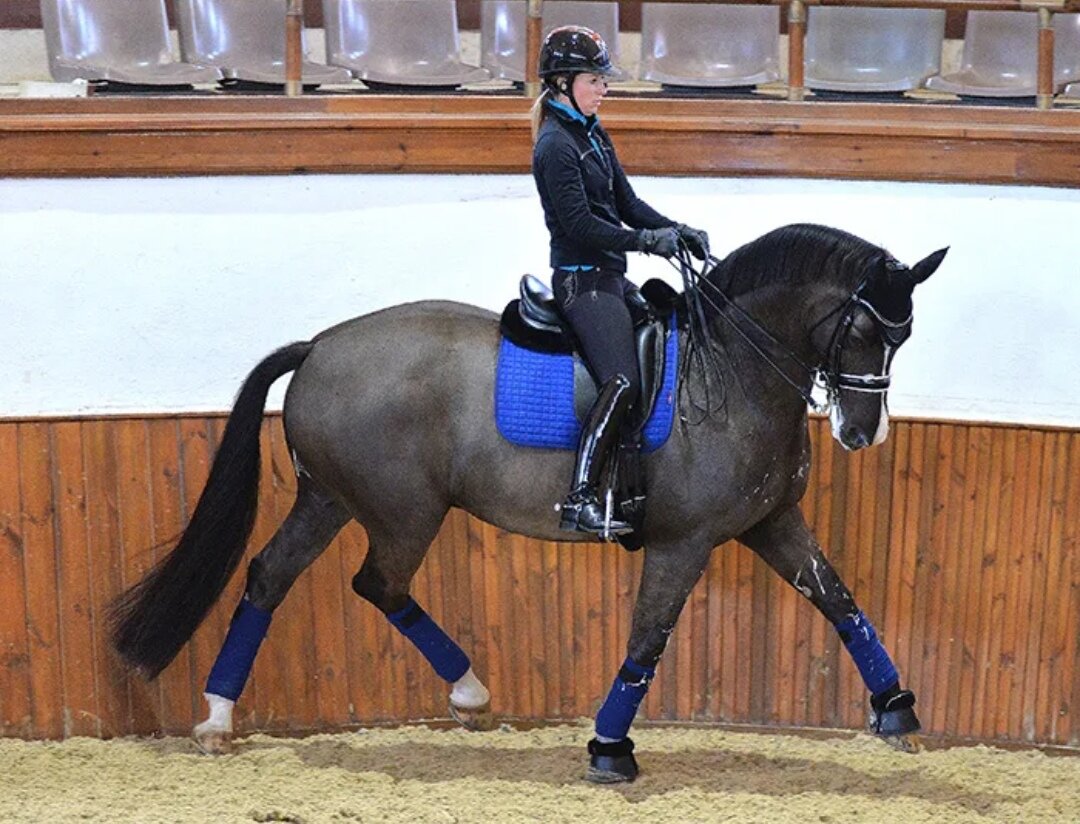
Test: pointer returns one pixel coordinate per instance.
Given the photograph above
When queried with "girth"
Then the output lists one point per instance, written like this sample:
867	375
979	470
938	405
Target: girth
545	330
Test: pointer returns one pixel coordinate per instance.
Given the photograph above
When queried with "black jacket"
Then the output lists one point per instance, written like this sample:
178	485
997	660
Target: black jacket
585	193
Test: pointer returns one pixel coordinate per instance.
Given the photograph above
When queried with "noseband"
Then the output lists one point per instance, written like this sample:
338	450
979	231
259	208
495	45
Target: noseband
829	376
832	377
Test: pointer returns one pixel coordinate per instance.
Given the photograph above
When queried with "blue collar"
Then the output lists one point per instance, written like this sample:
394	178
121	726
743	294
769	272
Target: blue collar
574	114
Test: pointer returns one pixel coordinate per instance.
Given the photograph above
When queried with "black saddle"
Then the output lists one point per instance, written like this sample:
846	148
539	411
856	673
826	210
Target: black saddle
533	321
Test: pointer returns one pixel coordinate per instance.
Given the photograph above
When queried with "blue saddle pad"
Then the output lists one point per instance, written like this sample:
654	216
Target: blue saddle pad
534	398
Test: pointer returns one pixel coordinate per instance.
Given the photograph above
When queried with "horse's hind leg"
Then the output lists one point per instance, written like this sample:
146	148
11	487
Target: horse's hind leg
786	544
308	529
384	578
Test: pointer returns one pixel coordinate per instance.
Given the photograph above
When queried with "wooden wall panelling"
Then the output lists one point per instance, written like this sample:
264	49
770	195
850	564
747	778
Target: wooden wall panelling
39	565
1061	600
959	541
822	659
196	447
903	529
1040	612
167	522
103	541
1070	670
132	491
971	535
74	576
16	712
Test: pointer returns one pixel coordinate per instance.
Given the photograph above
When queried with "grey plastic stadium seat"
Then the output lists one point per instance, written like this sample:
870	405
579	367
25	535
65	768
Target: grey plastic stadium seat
872	50
245	39
398	42
709	45
502	30
1000	57
125	41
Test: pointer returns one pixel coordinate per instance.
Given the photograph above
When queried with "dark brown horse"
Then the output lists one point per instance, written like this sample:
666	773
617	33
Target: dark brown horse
389	420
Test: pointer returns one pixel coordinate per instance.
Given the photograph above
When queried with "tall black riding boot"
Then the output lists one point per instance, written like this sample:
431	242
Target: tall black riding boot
582	510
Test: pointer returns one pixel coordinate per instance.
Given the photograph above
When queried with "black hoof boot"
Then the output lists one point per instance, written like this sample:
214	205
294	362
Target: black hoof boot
892	713
611	763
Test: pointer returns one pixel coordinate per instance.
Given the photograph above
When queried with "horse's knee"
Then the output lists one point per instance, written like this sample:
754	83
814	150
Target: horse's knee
371	585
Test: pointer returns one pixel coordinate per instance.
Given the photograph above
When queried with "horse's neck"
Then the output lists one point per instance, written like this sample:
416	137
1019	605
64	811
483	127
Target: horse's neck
785	312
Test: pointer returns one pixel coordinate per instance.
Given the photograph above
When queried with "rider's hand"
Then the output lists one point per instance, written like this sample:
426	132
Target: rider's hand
696	240
663	242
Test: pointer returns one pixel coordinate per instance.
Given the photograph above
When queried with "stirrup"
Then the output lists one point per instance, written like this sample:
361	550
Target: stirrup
581	512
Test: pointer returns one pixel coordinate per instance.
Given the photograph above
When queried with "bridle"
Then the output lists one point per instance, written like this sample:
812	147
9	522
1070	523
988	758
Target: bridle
828	376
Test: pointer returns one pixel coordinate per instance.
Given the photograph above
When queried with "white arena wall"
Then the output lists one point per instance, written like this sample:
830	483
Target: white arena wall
158	295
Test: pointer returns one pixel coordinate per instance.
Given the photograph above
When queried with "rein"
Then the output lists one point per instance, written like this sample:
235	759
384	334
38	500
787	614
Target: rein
831	378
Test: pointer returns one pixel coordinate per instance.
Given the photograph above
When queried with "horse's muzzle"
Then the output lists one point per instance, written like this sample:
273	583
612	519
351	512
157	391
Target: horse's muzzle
853	437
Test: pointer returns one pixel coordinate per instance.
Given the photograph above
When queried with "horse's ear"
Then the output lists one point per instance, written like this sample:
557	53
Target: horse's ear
927	266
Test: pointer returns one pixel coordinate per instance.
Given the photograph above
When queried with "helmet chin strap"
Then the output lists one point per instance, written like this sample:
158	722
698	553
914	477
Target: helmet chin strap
566	87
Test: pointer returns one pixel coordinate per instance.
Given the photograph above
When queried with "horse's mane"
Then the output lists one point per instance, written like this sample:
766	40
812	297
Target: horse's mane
796	254
793	255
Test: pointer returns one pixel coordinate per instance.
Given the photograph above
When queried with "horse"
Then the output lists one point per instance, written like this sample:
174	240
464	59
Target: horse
389	421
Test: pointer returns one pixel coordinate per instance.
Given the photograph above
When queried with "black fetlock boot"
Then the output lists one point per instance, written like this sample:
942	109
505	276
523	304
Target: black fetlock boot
582	510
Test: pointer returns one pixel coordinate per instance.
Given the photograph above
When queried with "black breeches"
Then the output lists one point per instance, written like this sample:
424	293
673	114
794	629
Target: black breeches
593	303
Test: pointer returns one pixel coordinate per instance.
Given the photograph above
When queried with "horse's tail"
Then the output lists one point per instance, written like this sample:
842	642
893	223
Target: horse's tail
153	620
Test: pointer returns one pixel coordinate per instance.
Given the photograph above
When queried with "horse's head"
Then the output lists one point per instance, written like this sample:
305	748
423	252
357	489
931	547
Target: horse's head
859	340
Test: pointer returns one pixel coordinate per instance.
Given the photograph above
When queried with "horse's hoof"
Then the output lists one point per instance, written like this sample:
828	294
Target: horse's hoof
213	740
893	719
911	744
477	719
611	763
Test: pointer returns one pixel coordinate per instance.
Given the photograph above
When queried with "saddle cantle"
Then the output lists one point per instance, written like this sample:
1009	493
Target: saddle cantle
543	389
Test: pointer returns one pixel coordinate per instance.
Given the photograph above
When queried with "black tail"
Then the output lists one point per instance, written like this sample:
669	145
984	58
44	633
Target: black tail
153	620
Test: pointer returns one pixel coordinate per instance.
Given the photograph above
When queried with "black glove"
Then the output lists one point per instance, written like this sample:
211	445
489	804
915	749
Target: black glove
696	240
663	242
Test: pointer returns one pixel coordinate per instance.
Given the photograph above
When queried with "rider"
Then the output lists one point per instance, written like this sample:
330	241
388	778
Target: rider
587	200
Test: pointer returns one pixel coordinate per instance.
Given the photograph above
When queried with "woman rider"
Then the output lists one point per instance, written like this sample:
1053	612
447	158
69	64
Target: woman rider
587	200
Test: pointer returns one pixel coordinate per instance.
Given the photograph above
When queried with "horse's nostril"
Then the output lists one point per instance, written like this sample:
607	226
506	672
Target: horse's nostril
855	438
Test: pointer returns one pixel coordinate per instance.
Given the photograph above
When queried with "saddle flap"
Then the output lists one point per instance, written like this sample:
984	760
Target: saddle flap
650	352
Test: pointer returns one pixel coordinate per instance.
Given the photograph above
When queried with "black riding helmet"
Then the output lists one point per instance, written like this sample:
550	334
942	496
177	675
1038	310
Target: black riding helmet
573	50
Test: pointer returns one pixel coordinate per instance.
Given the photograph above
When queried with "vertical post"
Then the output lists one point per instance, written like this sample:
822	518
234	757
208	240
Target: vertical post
1044	97
533	35
796	50
294	26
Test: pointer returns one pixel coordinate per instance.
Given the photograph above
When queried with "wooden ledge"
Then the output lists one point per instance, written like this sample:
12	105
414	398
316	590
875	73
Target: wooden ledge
470	134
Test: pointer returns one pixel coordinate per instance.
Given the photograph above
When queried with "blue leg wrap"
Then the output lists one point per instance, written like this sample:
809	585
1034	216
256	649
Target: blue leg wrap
233	664
869	655
445	657
615	717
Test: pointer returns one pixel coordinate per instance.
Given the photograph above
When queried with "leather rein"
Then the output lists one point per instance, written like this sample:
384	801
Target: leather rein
829	376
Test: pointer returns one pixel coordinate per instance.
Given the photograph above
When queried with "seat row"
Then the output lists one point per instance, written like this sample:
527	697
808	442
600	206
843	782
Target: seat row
416	43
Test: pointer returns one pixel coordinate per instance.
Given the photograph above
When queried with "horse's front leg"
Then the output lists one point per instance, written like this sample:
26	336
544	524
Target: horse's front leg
786	544
668	575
